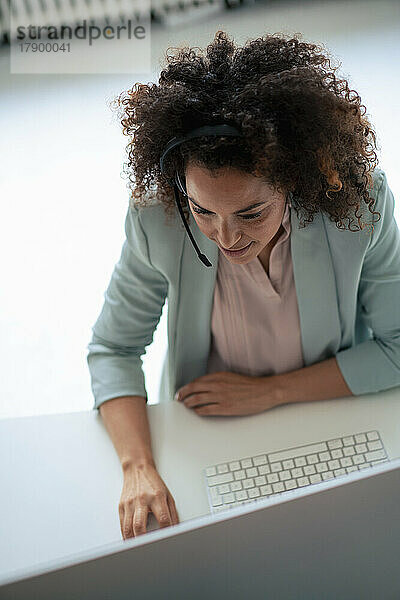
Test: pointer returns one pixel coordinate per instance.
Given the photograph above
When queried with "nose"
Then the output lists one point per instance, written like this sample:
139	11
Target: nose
226	236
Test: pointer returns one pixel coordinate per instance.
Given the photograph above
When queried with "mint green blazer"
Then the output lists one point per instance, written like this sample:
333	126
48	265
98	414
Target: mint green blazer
347	285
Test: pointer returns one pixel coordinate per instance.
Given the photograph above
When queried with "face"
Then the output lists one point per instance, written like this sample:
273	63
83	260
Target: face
221	208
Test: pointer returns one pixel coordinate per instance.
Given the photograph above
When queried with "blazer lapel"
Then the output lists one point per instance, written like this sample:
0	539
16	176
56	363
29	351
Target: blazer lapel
195	298
316	290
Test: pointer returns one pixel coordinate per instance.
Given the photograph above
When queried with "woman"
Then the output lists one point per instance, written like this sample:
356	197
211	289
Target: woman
282	289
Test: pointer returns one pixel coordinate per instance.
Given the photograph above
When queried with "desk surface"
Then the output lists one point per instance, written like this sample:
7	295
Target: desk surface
61	477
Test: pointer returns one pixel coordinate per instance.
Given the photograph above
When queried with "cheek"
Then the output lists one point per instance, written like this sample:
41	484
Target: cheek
202	224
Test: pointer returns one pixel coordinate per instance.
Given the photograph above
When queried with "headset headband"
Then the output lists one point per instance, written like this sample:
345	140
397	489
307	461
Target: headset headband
222	129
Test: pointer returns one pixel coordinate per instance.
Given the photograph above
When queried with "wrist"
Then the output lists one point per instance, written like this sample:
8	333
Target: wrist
131	465
272	391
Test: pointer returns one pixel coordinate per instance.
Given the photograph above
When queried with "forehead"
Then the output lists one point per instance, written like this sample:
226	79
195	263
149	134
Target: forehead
227	190
226	183
224	177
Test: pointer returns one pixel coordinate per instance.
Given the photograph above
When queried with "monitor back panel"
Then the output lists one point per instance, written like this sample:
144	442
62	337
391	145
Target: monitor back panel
342	542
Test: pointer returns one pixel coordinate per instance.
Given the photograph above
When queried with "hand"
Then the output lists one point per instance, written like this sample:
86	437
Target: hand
144	491
226	393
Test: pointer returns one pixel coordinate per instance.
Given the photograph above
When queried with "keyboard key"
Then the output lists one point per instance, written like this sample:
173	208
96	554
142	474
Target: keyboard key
327	475
377	445
315	478
260	460
272	477
291	484
312	459
266	490
299	462
246	463
289	464
275	467
218	479
228	498
284	475
340	471
248	483
278	487
309	470
223	468
303	481
324	456
254	493
297	472
240	475
364	466
252	472
211	471
242	495
235	465
224	489
360	438
337	453
333	444
372	435
346	461
358	459
334	464
261	480
351	469
321	467
295	452
348	440
264	469
376	455
216	501
214	490
349	451
236	486
361	448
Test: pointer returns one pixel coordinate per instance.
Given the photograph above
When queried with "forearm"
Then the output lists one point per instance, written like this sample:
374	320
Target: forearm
321	381
126	421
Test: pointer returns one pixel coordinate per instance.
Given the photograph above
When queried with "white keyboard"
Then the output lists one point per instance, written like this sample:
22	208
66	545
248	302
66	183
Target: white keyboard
253	478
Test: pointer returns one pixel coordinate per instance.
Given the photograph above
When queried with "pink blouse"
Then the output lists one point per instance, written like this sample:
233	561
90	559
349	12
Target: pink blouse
255	326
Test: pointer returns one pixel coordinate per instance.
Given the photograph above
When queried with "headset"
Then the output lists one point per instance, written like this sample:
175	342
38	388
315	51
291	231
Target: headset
205	130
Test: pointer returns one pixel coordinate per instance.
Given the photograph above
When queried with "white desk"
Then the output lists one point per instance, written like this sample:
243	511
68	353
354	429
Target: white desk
61	477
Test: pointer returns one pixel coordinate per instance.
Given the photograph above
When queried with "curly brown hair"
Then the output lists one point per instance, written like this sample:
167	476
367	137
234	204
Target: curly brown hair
304	130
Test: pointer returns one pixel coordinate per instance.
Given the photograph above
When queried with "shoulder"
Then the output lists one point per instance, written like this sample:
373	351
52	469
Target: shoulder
160	235
384	204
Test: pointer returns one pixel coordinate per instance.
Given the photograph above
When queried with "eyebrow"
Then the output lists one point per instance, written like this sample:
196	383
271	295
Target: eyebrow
238	212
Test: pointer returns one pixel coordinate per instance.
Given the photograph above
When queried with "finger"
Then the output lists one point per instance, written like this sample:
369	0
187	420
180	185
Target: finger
208	409
195	386
121	512
198	400
140	519
172	510
126	522
161	512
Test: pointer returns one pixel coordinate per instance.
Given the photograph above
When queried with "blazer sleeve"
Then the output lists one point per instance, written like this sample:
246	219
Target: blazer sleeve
374	364
131	311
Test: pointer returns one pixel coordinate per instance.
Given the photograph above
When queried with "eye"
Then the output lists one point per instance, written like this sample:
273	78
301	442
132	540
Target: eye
200	211
252	216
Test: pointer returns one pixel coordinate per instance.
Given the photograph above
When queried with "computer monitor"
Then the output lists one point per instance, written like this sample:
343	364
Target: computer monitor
337	539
